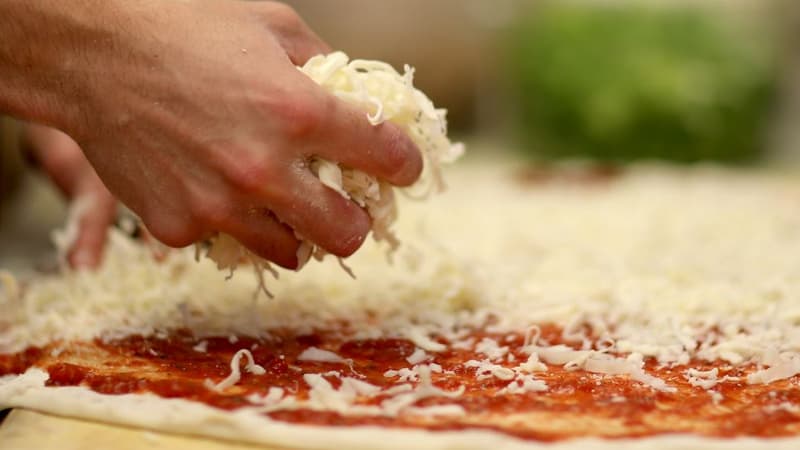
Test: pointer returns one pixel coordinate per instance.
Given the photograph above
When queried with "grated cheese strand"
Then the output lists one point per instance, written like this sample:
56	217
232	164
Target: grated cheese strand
319	355
425	389
236	373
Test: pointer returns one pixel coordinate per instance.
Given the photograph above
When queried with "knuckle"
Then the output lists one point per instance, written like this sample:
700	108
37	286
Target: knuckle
249	174
178	233
302	115
295	112
285	16
210	210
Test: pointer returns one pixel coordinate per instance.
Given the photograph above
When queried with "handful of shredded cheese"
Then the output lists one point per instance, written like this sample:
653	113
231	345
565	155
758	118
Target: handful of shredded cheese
384	94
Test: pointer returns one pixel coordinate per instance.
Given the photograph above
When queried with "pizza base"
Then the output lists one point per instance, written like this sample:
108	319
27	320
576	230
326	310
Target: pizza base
588	230
26	429
177	416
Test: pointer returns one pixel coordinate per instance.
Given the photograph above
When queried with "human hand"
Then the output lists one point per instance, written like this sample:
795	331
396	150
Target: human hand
63	161
196	117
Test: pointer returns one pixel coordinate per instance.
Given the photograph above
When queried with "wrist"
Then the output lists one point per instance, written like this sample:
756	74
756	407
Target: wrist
51	53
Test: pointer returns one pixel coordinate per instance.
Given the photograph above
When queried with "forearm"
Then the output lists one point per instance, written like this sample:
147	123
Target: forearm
46	48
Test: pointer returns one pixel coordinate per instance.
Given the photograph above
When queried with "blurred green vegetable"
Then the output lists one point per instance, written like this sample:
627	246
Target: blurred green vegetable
617	83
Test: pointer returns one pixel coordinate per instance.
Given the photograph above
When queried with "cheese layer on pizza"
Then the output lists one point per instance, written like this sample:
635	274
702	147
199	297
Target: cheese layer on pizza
649	306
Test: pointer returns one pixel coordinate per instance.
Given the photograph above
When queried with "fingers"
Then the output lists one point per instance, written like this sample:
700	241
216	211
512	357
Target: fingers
59	156
322	215
262	233
302	49
294	35
87	250
63	161
344	135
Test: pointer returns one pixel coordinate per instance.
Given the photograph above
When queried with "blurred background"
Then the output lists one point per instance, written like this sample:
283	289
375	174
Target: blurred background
608	80
611	81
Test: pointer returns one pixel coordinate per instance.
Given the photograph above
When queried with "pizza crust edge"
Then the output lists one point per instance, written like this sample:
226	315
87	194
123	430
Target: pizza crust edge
179	416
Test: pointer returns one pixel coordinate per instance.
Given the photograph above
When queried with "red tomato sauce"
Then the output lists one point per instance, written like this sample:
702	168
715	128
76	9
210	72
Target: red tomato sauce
172	367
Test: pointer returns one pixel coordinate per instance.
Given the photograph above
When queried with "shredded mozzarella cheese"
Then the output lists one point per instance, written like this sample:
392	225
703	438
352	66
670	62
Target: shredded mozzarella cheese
201	347
425	389
236	372
417	357
631	269
348	398
10	287
523	384
486	369
319	355
385	95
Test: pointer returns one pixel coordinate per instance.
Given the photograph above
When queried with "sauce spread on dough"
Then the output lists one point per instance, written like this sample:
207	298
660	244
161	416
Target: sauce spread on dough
575	403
